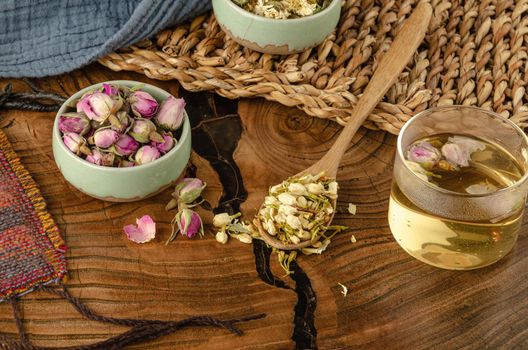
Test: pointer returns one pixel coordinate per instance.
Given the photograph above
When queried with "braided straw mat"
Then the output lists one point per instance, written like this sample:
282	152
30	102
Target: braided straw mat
474	54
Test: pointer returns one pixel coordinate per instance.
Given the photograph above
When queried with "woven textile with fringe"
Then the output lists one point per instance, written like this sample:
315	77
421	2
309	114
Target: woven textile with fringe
32	255
32	251
474	54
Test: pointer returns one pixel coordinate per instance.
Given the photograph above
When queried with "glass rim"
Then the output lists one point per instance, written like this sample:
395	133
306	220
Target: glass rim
492	114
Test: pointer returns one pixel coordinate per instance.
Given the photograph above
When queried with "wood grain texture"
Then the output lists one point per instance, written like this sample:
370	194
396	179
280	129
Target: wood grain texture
394	301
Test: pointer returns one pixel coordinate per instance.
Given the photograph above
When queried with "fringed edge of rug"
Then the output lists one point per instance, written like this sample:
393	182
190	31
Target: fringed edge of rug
48	224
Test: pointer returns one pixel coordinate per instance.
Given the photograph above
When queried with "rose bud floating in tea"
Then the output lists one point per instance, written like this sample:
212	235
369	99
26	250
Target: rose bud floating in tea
459	187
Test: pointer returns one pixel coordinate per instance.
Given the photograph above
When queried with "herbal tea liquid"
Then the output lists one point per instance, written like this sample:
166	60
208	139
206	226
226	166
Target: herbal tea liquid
455	244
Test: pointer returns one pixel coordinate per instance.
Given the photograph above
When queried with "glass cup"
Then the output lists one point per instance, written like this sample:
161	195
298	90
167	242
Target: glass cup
453	230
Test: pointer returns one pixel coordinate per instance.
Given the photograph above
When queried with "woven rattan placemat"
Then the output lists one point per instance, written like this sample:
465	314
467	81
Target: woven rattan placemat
474	54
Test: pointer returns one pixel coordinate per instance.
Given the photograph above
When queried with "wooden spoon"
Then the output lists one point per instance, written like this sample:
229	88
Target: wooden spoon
392	64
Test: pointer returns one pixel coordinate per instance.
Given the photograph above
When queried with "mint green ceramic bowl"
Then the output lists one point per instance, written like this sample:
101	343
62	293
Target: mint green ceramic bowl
122	184
276	36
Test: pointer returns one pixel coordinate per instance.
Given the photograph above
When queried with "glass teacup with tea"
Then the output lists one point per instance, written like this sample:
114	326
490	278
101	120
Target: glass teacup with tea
459	188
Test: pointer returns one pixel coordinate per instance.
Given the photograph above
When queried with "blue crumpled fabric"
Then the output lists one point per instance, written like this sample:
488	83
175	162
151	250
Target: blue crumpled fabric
49	37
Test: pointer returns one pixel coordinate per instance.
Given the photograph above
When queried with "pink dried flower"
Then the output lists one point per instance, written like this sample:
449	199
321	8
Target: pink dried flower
101	158
424	153
189	223
96	105
171	113
143	104
458	150
144	232
146	154
142	129
110	90
75	143
105	137
74	122
126	145
189	189
166	145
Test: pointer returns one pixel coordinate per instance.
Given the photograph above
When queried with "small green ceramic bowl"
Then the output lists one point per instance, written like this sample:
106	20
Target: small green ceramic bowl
122	184
276	36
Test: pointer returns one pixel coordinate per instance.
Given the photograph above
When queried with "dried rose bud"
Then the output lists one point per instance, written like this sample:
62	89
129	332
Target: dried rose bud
101	158
166	145
143	104
119	122
105	137
96	105
170	115
126	145
458	150
142	129
126	164
110	90
96	157
189	223
146	154
74	122
188	190
424	153
75	143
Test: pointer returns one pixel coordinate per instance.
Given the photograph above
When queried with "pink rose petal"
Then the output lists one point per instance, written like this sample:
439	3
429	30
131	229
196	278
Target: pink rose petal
144	232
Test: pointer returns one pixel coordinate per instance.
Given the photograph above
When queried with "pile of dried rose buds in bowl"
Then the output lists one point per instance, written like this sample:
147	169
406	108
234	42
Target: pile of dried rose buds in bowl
118	126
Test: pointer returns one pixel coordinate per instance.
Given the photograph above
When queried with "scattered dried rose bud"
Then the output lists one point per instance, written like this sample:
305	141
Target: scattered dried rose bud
144	232
110	90
146	154
105	137
74	122
425	154
188	190
76	143
170	115
143	104
126	145
96	105
189	223
141	130
166	145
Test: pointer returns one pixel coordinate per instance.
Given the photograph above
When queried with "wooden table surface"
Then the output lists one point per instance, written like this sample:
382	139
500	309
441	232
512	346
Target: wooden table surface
240	148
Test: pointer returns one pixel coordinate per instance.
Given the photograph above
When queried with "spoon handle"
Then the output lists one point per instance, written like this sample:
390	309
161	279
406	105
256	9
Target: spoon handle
392	64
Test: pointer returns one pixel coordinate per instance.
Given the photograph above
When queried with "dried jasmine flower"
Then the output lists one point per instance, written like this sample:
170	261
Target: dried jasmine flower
352	208
353	239
283	9
300	210
231	226
344	289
